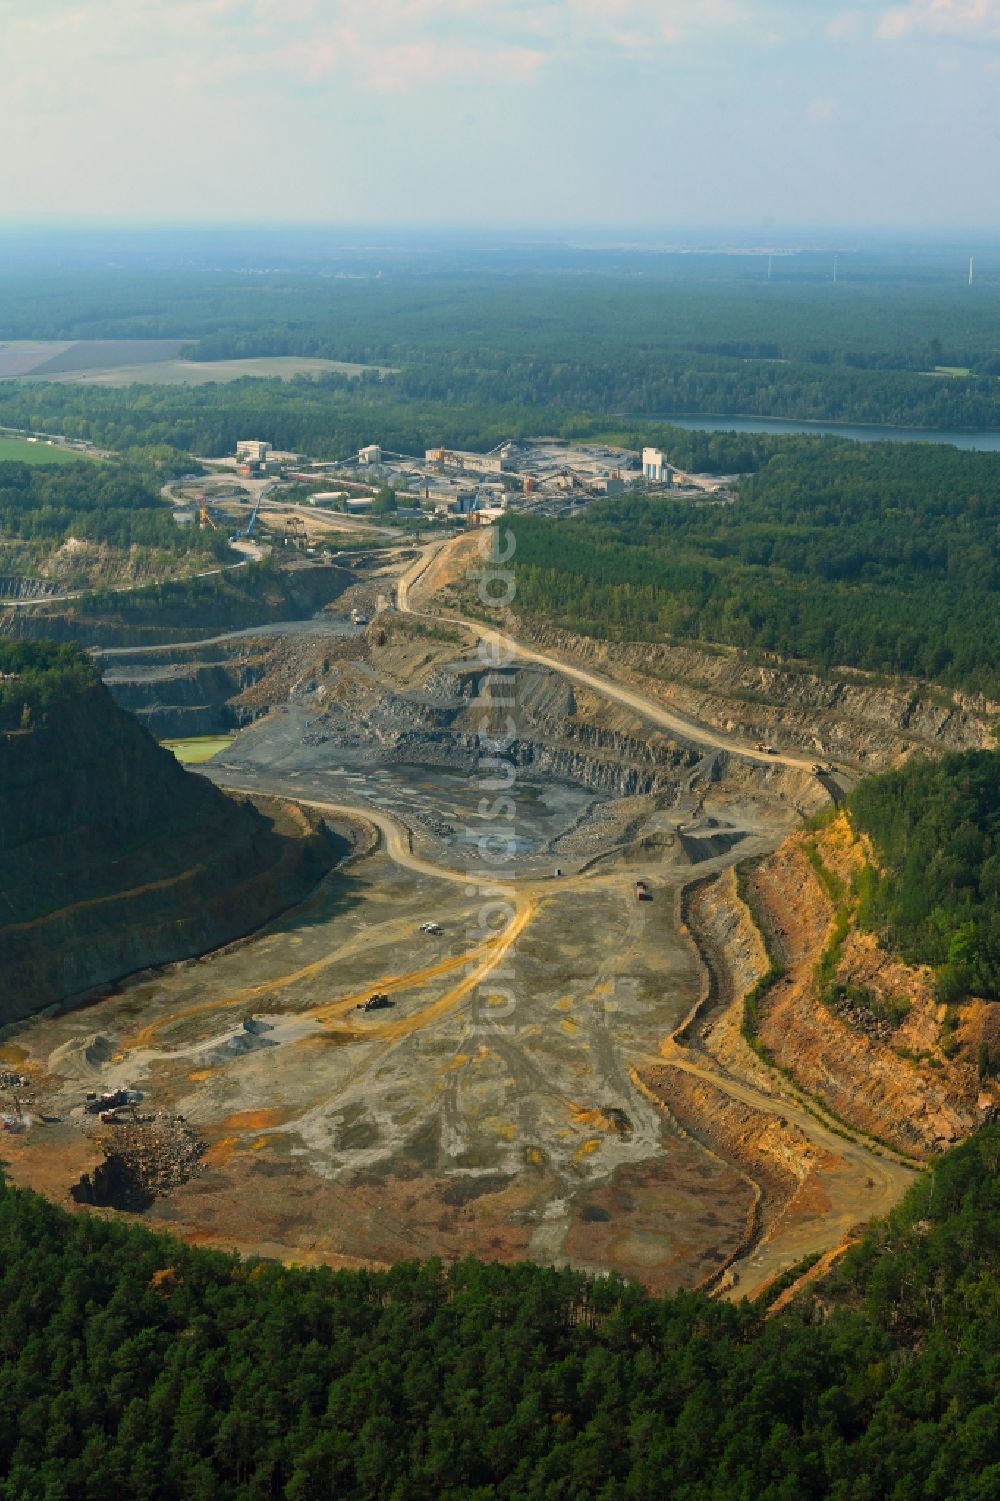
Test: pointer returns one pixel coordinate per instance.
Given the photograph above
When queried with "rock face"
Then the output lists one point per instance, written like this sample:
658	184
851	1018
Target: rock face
114	858
894	1081
183	694
190	610
850	716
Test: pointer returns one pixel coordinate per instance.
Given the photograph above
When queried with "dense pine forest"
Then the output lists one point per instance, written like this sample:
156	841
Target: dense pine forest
878	556
133	1365
117	504
898	339
935	894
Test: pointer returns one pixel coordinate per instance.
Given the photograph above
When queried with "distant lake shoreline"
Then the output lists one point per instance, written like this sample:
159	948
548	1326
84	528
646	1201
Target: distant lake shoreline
985	440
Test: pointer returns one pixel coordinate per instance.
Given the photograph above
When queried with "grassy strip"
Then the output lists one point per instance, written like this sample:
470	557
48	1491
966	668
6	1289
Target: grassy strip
753	1001
781	1284
753	1014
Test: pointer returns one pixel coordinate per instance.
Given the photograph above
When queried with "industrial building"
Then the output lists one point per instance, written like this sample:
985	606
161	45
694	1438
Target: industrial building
372	454
655	467
497	462
253	451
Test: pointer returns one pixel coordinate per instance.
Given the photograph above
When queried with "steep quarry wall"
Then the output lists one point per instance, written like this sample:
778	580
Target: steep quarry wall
900	1080
113	858
849	716
180	697
183	612
417	695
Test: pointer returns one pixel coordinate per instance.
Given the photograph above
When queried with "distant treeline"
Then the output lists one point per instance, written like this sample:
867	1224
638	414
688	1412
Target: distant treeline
879	556
332	416
133	1365
935	894
640	339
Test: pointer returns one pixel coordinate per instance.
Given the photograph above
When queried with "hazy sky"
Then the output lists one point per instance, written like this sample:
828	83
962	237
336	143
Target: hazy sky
602	112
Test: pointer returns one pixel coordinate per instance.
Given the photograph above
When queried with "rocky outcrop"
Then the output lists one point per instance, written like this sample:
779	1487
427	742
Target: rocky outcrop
183	610
895	1081
18	586
850	716
174	699
113	858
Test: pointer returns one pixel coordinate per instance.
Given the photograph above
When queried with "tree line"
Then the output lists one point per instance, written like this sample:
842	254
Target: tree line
117	504
651	337
879	556
934	893
131	1364
35	675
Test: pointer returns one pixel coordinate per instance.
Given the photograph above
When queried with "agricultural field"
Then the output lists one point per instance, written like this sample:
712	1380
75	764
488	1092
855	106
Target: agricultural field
45	358
149	362
19	450
197	373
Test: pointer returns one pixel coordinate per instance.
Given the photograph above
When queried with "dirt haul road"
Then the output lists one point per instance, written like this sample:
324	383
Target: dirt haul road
504	649
881	1176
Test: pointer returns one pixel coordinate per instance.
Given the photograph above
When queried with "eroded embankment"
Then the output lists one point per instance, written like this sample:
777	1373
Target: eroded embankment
849	1021
851	717
815	1061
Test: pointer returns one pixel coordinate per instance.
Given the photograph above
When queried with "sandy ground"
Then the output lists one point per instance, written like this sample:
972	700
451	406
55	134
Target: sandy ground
495	1105
490	1108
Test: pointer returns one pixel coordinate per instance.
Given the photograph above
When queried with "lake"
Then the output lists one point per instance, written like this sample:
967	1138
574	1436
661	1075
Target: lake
988	441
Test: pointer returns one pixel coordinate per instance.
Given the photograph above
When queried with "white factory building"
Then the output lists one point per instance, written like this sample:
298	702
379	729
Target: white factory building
655	467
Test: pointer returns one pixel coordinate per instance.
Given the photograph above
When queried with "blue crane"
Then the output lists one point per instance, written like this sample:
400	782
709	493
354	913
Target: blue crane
247	531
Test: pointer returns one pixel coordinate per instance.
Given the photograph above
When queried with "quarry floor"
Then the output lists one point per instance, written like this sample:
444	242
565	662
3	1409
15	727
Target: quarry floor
490	1110
498	1106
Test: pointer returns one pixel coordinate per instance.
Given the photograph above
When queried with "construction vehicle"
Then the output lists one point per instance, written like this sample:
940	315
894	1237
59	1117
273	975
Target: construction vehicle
768	750
247	531
431	927
377	1002
642	892
204	519
101	1104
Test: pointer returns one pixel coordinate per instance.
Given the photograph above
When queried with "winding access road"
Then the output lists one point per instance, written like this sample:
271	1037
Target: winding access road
507	648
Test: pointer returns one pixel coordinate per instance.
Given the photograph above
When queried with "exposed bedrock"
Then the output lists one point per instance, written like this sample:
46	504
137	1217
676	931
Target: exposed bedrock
851	716
113	858
174	699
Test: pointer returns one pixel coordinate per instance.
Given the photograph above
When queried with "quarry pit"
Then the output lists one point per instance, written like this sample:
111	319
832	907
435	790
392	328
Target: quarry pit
489	1105
464	1041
